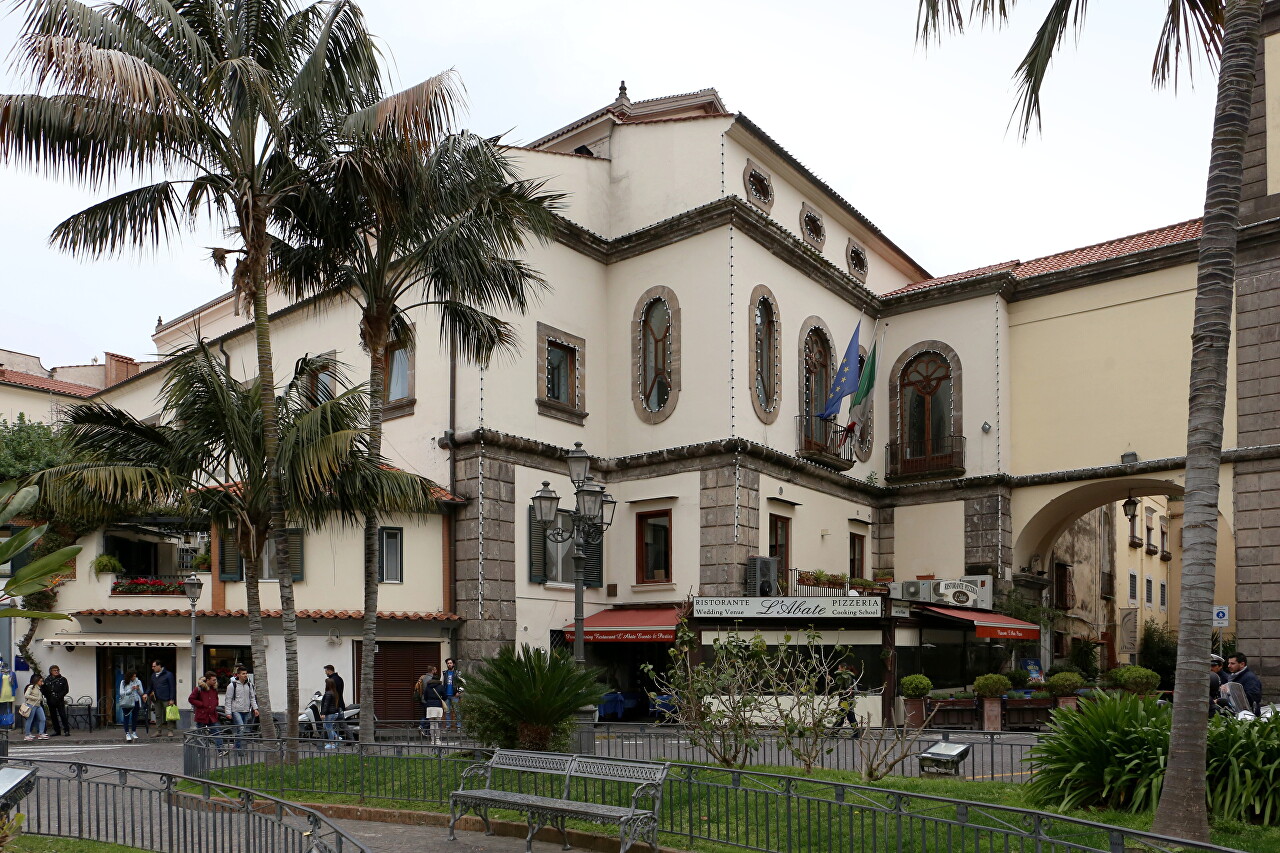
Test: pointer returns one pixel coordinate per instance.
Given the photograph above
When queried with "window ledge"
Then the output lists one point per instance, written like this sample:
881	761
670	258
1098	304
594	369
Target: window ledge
654	587
398	409
558	585
561	412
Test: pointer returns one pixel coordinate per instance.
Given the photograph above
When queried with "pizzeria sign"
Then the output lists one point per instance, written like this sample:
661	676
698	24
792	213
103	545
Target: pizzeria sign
844	607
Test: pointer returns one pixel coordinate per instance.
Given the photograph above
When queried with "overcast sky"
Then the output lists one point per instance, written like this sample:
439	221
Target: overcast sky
918	140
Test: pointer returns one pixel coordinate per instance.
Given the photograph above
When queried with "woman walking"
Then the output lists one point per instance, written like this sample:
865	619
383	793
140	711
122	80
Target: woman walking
331	709
433	701
129	701
33	709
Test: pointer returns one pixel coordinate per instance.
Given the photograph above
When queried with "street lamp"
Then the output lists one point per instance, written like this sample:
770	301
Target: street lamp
591	517
192	586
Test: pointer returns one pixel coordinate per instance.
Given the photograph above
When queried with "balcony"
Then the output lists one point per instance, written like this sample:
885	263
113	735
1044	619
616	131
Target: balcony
936	457
812	583
148	585
824	442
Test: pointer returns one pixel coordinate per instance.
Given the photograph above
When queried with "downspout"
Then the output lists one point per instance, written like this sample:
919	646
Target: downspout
450	590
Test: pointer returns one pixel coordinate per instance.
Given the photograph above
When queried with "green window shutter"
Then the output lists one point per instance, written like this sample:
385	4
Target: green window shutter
294	535
537	550
229	568
381	548
593	568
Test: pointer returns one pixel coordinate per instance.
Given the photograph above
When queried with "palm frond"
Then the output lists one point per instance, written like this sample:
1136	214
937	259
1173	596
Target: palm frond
141	218
1190	25
1031	72
420	115
80	68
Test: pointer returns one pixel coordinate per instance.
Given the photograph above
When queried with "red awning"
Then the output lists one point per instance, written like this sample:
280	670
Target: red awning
993	625
629	625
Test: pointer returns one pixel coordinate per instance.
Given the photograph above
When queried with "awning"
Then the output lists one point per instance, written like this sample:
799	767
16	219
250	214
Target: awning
629	625
149	641
992	625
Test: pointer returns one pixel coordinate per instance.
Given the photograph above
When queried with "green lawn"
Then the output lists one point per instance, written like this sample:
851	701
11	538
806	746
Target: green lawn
746	813
43	844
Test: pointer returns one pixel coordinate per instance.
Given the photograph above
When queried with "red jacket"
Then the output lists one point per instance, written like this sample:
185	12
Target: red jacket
205	703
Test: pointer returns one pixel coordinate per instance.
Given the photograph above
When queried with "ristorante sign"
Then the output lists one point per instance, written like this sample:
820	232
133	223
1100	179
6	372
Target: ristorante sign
850	607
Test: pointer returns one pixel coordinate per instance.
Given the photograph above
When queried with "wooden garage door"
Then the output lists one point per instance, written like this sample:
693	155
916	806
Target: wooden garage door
398	665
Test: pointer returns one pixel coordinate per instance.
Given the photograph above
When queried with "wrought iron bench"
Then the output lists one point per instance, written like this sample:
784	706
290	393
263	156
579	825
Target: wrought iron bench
569	775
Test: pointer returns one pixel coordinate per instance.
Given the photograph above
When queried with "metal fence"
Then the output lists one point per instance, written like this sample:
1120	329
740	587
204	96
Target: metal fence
169	813
701	806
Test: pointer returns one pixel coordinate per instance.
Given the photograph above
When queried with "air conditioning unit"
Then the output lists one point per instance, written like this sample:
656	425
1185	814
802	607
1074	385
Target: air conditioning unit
911	590
762	577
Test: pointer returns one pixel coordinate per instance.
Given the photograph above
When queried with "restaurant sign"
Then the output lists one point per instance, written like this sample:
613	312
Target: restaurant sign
847	607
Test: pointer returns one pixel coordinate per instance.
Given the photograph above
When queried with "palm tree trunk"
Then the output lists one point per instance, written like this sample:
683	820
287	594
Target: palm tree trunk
255	256
257	637
369	635
1181	812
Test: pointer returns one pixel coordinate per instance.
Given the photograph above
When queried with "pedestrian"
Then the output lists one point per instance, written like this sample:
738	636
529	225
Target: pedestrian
846	687
204	704
1238	664
431	689
1216	664
453	685
331	709
330	672
55	694
1215	683
241	704
164	692
129	699
32	709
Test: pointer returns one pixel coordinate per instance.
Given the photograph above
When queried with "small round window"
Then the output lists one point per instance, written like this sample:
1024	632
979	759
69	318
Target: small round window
760	187
813	227
857	260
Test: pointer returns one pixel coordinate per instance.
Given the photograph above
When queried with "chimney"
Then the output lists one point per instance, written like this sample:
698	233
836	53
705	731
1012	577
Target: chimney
119	368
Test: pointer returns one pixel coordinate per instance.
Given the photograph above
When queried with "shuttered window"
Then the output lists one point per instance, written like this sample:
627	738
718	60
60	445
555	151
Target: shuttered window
231	563
552	561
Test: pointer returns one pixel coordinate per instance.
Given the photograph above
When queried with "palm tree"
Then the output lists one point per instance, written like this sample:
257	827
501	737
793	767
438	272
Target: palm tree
235	102
1227	30
440	230
208	460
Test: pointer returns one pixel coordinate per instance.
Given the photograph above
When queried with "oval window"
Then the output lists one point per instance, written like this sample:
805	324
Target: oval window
655	355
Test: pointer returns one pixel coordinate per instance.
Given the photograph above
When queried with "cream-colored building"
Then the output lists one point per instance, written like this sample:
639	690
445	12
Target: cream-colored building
704	286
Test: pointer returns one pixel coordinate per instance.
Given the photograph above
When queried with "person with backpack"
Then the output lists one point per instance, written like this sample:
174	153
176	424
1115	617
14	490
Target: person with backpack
129	700
331	708
204	704
241	704
431	689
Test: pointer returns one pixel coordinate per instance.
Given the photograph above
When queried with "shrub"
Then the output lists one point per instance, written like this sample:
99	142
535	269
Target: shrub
1084	657
991	686
487	726
1108	753
1244	770
1158	651
1136	679
1019	678
1063	667
1041	694
915	686
1065	683
538	691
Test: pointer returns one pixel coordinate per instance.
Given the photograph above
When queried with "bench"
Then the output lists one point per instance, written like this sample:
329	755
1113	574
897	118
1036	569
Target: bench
636	822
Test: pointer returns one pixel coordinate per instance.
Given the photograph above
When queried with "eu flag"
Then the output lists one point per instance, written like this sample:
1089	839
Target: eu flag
846	381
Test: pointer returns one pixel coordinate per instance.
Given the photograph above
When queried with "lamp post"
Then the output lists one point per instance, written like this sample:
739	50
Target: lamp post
192	586
591	516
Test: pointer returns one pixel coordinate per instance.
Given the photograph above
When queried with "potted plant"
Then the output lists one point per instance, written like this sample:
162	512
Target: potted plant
1019	678
1136	679
914	689
882	575
107	564
201	562
991	688
1064	686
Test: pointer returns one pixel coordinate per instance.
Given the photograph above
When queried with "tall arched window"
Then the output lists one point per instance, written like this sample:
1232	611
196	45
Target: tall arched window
655	355
766	345
817	381
926	411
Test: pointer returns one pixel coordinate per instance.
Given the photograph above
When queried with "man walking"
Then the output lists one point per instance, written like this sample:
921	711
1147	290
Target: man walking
55	691
330	672
1238	664
204	702
241	704
164	692
454	684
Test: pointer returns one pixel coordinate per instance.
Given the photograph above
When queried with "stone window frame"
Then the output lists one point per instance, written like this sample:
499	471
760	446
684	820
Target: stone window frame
577	412
957	385
766	413
806	210
854	246
812	322
641	519
764	204
668	295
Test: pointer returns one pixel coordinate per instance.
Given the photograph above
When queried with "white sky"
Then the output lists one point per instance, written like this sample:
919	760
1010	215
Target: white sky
917	140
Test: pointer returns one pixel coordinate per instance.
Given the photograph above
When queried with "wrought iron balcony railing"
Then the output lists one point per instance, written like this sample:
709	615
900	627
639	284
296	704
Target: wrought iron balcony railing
942	456
824	441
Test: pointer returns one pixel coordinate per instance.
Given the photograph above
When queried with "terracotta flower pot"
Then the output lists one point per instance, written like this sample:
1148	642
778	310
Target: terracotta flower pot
1068	701
915	713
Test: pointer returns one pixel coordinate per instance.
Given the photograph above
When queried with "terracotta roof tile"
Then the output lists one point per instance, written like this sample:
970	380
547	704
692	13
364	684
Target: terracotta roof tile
399	615
1157	238
43	383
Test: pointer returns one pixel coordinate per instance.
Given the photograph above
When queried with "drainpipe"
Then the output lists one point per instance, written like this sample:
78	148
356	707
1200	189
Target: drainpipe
450	587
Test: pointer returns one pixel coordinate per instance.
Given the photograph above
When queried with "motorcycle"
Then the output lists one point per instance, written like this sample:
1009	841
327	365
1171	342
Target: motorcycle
311	721
1237	704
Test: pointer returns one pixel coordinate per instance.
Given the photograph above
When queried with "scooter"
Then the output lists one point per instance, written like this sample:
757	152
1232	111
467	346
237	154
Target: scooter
311	721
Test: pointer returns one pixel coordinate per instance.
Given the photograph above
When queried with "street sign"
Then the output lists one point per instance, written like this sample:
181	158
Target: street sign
1220	616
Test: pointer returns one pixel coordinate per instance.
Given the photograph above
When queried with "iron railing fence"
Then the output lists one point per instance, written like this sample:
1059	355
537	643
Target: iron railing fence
169	813
998	756
745	810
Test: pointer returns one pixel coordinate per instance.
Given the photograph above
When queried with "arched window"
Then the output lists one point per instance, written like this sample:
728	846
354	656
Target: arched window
655	355
817	381
926	411
766	345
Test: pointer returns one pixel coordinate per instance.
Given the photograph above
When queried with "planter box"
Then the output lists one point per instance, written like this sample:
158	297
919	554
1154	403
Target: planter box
1068	701
1027	713
991	713
953	714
